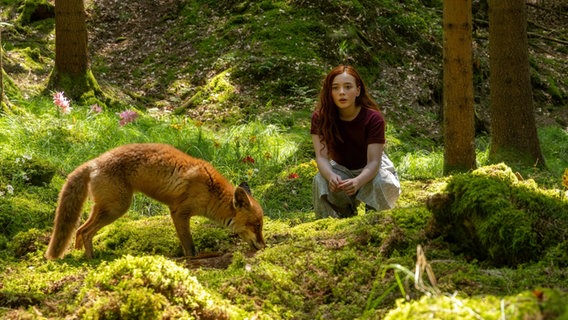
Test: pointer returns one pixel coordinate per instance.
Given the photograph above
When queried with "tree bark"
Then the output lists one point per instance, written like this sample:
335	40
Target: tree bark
72	73
1	70
514	138
70	37
459	116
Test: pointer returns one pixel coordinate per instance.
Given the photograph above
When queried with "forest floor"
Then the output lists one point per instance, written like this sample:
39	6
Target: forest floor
145	54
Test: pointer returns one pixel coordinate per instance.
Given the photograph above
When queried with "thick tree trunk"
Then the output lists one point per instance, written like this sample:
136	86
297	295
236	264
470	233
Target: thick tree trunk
71	73
70	37
514	138
459	117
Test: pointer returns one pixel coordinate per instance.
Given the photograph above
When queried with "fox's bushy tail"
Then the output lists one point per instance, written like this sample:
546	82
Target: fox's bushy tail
69	208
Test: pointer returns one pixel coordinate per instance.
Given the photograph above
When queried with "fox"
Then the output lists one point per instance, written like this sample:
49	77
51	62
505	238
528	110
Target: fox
188	186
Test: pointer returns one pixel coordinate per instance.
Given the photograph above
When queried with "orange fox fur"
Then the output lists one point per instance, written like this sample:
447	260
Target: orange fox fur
189	186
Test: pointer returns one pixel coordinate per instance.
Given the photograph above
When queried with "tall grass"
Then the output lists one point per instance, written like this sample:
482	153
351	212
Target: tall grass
257	152
67	140
421	164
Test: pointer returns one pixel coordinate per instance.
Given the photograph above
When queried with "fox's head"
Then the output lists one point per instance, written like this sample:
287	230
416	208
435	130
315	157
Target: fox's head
247	222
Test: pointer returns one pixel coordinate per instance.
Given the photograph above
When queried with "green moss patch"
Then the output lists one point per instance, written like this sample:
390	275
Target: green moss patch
23	211
491	215
157	236
536	304
148	288
292	190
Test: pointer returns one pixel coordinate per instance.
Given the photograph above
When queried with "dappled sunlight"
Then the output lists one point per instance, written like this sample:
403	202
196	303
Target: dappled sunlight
235	83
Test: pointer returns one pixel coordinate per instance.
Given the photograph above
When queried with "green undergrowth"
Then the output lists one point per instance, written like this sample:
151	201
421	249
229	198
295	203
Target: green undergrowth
243	78
138	236
323	268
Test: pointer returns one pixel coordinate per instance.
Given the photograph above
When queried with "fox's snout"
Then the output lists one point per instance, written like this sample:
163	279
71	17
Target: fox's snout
258	242
253	238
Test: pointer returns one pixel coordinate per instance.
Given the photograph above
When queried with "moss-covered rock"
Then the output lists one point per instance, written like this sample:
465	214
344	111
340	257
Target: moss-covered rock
28	241
491	215
35	10
26	169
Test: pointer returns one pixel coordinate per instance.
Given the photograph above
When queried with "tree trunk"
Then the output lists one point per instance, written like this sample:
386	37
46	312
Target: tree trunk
1	71
70	37
514	138
459	117
71	73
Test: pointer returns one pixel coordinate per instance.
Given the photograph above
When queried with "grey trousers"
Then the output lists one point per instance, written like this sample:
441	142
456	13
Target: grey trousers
380	193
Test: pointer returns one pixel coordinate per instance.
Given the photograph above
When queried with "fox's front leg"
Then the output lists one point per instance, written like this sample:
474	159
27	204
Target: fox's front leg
181	223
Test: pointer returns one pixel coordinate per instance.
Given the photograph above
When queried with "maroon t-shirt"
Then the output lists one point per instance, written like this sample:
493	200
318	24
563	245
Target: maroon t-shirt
368	127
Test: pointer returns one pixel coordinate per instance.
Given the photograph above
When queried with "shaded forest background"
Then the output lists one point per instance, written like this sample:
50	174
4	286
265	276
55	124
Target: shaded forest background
272	56
218	65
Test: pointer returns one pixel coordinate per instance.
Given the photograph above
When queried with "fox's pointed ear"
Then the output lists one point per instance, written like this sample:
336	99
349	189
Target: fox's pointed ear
240	199
245	186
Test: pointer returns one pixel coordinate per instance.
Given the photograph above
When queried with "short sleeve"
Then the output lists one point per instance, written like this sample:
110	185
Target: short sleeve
375	128
314	129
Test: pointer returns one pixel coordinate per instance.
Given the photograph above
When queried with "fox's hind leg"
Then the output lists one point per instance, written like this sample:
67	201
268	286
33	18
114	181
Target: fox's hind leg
101	215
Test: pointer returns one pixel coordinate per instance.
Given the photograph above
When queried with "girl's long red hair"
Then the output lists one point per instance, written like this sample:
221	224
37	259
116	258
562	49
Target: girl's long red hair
329	113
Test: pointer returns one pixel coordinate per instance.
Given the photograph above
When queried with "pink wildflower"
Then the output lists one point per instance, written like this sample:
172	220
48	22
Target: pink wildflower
62	102
95	108
127	116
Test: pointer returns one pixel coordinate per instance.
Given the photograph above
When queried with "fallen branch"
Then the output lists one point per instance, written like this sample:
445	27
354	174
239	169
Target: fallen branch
536	35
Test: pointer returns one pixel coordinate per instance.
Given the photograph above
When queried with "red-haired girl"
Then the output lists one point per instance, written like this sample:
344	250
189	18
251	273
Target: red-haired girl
348	133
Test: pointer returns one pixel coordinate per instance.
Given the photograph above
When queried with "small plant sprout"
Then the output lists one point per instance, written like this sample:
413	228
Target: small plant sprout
422	265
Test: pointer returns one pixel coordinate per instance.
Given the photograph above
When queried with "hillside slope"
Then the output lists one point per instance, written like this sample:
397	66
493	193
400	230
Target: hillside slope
236	60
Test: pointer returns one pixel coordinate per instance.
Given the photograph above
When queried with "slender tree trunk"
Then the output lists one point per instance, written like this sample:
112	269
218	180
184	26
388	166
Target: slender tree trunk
514	138
1	69
459	117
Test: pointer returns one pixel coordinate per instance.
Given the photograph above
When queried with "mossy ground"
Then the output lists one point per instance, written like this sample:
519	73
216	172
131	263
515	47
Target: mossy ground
248	74
311	268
